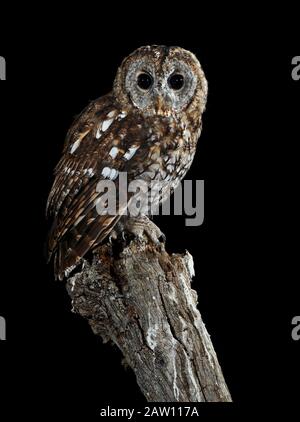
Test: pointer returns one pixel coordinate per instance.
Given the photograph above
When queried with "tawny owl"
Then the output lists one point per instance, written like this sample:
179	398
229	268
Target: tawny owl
146	127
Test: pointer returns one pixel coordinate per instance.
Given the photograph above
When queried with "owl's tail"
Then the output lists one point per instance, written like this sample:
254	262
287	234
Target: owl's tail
77	242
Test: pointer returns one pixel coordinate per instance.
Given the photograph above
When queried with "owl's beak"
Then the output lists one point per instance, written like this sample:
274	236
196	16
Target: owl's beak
161	104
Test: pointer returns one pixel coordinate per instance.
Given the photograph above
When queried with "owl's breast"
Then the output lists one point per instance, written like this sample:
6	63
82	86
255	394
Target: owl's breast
172	152
168	158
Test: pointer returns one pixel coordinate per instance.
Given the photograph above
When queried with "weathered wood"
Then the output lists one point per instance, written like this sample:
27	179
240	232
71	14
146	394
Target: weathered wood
140	297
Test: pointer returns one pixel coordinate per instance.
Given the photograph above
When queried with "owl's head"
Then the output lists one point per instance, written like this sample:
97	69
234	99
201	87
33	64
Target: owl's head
161	80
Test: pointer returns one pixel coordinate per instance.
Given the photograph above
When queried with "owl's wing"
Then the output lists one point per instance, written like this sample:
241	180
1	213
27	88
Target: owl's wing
100	145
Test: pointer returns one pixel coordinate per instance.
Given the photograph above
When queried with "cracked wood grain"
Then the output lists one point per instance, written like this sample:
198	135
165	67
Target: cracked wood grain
139	297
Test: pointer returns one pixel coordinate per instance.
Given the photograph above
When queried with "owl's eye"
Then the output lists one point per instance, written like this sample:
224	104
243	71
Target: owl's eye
176	81
144	81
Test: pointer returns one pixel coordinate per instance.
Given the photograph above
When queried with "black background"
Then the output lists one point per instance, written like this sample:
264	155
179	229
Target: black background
245	252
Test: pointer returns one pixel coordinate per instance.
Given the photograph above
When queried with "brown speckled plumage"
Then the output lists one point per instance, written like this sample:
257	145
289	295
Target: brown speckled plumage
149	134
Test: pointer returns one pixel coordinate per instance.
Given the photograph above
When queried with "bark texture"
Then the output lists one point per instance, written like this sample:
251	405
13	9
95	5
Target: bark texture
138	296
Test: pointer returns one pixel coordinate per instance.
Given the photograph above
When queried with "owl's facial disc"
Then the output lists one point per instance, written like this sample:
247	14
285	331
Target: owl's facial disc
160	89
161	80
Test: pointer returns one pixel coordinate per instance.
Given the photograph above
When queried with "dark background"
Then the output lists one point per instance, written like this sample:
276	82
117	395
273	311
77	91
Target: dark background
244	252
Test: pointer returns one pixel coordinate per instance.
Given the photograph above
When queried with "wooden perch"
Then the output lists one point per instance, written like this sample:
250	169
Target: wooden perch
138	296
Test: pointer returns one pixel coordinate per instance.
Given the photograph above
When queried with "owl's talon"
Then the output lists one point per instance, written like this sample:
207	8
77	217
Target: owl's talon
112	237
142	229
162	238
156	236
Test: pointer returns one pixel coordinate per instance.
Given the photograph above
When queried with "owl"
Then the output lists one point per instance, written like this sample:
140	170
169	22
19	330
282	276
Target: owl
147	127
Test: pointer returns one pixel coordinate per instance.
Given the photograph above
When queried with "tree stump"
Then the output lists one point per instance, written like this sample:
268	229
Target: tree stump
139	297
